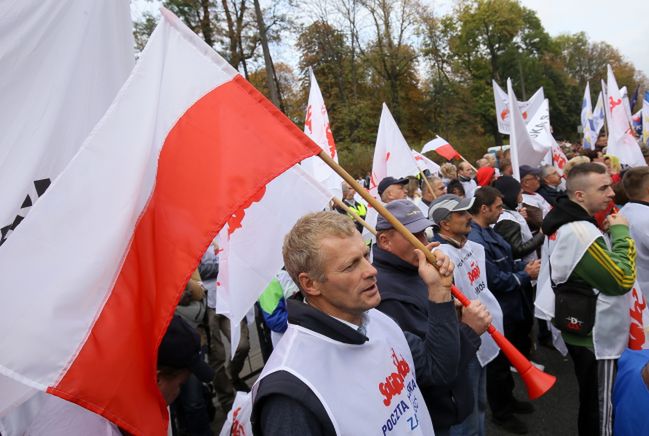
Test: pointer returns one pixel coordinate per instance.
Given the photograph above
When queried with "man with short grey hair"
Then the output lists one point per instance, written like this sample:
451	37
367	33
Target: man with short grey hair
465	174
343	367
550	188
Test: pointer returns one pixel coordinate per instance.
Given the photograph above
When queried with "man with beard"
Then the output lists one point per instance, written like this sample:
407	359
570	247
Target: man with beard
452	222
510	283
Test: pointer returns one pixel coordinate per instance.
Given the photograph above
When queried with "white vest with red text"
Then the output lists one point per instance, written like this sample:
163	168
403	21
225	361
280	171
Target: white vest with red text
567	246
367	389
470	276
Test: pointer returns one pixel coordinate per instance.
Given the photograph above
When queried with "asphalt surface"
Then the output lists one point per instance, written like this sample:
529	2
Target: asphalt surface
556	411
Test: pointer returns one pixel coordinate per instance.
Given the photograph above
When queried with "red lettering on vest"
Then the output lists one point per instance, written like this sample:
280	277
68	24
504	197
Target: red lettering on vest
474	273
636	329
387	156
393	384
237	427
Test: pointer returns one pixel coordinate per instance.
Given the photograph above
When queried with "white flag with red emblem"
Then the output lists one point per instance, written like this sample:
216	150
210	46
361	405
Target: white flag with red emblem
527	108
621	142
392	155
316	126
186	144
62	63
526	149
442	147
251	242
423	163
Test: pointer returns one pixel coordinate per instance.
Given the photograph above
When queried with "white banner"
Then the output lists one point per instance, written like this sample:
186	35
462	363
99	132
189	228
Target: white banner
526	150
251	243
316	126
392	156
527	108
62	63
621	142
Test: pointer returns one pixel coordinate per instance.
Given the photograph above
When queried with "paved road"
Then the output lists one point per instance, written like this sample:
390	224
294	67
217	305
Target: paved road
556	411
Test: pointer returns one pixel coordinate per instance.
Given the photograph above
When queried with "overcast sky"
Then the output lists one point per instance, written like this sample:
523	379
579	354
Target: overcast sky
628	33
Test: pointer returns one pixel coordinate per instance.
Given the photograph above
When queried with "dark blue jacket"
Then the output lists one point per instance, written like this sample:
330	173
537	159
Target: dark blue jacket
506	279
404	297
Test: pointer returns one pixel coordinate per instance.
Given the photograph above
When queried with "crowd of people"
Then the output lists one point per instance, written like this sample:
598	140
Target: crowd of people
360	334
500	235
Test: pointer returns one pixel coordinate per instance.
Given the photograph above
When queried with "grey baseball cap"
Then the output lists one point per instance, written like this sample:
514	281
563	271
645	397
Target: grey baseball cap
446	204
407	213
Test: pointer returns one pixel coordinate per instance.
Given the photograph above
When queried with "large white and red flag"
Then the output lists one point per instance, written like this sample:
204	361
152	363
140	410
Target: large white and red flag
250	244
316	126
423	163
527	108
186	144
526	149
62	63
392	155
621	142
442	147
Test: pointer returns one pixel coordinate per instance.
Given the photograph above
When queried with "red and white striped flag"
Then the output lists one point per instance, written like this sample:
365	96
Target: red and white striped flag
316	126
442	147
102	258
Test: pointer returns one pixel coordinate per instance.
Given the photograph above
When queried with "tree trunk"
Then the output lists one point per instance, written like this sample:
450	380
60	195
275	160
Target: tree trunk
268	61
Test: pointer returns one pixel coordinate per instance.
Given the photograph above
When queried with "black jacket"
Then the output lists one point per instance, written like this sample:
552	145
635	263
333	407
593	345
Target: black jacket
403	297
285	406
511	232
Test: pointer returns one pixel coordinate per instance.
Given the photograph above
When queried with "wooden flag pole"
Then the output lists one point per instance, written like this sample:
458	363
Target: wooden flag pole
462	157
430	188
338	202
536	381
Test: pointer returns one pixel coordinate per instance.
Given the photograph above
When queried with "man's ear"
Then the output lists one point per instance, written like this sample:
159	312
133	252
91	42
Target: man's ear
383	240
484	209
308	285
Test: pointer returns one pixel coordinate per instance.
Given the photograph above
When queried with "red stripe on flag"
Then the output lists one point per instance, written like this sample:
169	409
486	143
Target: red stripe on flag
221	152
446	151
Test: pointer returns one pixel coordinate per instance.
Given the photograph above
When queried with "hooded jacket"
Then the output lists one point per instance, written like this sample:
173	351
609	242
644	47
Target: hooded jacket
403	297
610	271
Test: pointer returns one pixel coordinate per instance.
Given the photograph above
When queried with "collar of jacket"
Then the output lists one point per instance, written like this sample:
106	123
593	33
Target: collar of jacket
487	233
398	279
565	211
450	241
319	322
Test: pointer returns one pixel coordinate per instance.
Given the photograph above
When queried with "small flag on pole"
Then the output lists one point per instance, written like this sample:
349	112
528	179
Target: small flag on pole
442	147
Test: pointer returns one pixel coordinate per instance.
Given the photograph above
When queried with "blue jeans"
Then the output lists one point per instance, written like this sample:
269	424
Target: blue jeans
474	424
